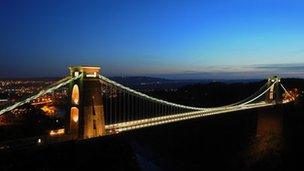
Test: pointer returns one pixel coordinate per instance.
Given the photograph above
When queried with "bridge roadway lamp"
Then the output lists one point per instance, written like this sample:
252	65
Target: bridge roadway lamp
85	118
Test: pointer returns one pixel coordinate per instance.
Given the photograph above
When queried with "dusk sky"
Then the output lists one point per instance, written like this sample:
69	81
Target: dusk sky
168	38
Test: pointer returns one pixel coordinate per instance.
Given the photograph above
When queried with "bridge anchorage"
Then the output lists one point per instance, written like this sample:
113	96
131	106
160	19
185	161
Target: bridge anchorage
99	106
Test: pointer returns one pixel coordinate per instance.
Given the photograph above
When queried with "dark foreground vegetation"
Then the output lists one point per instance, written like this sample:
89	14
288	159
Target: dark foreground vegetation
106	153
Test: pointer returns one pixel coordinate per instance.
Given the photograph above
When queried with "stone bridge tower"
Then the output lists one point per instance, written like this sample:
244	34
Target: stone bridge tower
85	118
274	94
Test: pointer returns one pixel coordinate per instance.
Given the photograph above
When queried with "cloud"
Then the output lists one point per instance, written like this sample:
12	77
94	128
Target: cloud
241	72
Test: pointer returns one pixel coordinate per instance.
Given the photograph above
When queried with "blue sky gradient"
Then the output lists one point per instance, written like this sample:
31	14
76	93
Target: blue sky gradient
140	37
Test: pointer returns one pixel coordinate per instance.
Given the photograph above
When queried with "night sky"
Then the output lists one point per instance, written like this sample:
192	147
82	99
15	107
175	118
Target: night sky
168	38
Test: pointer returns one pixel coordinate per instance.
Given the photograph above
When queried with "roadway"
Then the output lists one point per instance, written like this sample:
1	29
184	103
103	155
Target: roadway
137	124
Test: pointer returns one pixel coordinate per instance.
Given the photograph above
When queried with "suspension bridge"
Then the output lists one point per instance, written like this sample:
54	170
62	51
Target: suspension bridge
99	106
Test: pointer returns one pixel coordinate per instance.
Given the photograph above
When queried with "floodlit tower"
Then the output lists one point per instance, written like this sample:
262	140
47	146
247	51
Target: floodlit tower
85	118
274	92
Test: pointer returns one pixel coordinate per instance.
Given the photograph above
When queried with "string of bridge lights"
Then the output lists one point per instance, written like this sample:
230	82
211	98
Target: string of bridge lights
49	89
104	79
